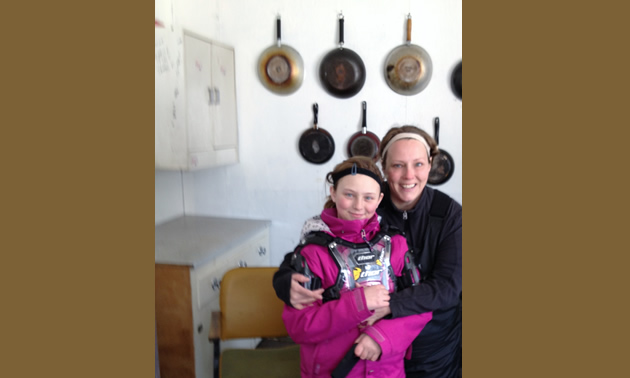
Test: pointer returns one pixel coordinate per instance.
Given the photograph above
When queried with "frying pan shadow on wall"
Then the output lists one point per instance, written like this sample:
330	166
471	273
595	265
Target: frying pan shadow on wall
443	165
280	67
342	71
316	145
364	142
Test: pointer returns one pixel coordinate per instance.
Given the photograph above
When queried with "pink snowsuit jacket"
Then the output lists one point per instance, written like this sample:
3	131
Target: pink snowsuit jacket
326	331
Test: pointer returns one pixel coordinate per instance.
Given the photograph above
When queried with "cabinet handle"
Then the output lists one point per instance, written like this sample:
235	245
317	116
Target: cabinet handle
216	284
211	96
217	95
199	328
242	264
262	251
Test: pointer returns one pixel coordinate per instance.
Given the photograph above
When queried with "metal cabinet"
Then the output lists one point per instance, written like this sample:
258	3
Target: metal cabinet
192	254
195	102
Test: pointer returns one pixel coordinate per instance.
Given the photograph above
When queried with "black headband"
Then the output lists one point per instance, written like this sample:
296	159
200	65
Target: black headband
353	171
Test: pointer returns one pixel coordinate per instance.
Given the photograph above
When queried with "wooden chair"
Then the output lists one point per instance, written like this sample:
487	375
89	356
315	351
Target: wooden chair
251	309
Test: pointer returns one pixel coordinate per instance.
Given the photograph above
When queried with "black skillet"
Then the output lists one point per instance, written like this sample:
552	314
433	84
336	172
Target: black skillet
316	145
342	71
364	142
442	166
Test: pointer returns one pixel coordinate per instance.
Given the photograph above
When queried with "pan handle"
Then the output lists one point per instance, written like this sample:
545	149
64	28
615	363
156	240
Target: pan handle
278	32
408	28
315	111
364	131
341	30
436	126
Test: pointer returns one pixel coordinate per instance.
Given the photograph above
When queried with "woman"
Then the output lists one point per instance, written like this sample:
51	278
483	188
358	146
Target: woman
369	264
406	154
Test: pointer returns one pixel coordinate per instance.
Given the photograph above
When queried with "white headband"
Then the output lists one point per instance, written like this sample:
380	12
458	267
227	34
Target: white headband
407	136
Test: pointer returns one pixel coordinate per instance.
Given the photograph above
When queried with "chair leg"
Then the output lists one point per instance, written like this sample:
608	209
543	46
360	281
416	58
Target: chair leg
217	356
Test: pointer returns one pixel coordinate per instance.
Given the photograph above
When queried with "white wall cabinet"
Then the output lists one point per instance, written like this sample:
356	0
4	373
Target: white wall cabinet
192	254
195	102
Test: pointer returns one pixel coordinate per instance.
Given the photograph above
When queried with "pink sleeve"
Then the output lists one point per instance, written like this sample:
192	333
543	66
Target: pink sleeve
395	335
323	321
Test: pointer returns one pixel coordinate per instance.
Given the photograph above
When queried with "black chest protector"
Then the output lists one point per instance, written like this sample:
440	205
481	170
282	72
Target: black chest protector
359	264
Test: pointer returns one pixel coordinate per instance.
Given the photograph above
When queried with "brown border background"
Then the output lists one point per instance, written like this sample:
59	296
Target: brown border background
545	256
77	157
543	264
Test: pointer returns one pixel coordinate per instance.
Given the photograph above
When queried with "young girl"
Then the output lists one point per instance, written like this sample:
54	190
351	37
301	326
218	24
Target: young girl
358	270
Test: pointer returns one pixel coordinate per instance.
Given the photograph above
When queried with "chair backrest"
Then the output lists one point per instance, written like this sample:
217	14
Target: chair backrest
249	305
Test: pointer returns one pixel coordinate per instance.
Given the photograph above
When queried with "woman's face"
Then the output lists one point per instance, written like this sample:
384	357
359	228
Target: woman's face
356	197
407	172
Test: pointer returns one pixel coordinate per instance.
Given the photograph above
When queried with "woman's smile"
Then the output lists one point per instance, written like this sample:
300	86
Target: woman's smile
407	172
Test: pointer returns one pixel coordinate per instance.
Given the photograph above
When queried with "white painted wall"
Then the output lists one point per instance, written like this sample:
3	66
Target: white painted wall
272	181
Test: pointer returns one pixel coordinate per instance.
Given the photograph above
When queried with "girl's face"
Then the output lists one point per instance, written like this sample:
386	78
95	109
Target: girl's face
407	172
356	197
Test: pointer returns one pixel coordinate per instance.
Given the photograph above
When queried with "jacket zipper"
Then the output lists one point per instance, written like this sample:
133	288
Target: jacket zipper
364	236
404	216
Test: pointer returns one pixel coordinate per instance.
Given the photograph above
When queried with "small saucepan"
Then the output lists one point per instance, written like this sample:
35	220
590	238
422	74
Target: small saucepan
364	142
316	145
443	165
280	67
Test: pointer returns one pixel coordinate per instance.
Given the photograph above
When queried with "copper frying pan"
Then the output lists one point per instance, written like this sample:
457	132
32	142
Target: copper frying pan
280	67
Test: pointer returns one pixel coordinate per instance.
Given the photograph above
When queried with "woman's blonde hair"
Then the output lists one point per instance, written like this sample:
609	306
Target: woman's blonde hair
406	129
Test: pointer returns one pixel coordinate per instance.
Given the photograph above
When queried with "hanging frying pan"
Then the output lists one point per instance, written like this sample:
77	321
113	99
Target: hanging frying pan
342	71
280	67
408	68
364	143
442	166
316	145
456	81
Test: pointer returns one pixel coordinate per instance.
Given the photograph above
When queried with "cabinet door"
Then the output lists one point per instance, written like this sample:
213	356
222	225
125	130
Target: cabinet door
208	277
170	114
195	102
225	132
174	320
205	282
198	93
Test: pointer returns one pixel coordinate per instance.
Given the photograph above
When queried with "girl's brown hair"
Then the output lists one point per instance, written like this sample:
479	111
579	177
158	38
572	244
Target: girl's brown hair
406	129
361	162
